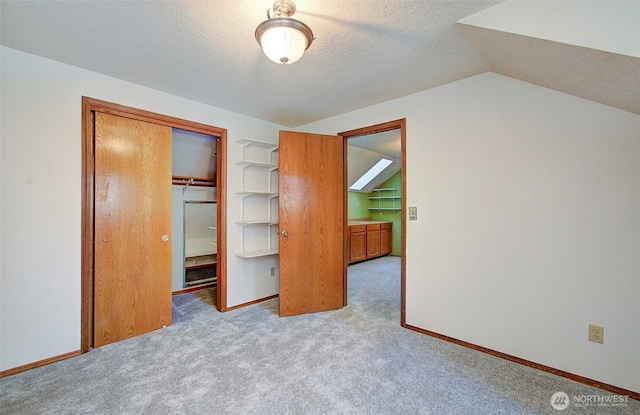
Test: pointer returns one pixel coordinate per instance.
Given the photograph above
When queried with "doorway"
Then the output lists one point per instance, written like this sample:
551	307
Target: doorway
385	198
194	211
90	108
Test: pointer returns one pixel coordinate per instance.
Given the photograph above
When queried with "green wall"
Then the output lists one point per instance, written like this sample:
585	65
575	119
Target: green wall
359	203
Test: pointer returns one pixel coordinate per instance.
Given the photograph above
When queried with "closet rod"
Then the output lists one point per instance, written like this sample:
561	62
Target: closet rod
193	181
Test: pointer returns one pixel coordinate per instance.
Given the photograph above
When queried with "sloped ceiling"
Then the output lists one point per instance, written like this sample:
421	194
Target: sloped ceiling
366	150
366	52
587	49
386	143
360	160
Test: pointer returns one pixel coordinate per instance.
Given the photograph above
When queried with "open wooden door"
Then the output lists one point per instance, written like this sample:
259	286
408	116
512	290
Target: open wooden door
311	217
132	292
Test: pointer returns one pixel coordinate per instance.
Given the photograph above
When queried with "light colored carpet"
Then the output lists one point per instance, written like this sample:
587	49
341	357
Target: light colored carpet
357	360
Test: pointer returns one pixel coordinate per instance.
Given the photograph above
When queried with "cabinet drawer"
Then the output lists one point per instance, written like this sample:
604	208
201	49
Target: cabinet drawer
386	225
357	228
375	227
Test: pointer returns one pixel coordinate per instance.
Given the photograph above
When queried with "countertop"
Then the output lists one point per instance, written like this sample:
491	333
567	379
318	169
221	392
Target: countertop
367	222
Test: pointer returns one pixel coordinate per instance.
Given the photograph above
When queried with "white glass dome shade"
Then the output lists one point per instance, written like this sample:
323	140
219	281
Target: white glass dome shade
283	39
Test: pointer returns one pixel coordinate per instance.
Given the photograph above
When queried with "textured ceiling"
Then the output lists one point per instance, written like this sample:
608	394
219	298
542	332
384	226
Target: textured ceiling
587	49
366	51
604	77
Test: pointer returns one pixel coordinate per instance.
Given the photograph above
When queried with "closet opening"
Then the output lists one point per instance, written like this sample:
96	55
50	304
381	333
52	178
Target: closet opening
143	174
194	211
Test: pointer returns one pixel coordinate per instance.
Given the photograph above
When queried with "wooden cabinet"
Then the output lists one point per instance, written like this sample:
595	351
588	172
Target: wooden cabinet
367	241
357	243
386	243
373	240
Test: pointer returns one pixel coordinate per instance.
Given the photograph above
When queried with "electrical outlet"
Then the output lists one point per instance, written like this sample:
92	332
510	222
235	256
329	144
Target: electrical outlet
272	272
596	333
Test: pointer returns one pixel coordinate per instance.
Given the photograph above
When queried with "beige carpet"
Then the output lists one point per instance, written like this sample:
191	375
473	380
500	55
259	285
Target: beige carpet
357	360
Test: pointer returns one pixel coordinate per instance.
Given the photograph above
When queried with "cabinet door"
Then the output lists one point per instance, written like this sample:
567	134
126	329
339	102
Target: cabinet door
385	239
373	240
358	246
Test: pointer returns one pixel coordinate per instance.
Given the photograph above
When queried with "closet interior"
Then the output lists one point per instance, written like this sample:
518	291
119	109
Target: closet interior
194	210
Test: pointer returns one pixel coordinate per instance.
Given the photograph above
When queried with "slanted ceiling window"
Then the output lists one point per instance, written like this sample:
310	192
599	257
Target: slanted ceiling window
371	174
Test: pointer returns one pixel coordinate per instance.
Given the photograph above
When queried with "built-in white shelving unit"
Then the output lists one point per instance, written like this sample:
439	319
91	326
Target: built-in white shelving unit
259	204
386	194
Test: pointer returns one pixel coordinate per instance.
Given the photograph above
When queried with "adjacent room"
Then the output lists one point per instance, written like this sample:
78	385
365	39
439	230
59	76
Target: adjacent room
489	264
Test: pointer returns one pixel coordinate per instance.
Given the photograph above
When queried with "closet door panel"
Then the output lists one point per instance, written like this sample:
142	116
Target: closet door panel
132	228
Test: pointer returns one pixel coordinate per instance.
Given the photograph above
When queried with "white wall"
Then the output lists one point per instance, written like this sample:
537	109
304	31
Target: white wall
528	221
40	179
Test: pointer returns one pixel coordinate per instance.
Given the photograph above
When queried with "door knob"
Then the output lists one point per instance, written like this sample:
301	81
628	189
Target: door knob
285	233
165	238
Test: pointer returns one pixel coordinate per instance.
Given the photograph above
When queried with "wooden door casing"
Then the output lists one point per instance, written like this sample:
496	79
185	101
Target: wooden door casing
311	214
132	265
400	124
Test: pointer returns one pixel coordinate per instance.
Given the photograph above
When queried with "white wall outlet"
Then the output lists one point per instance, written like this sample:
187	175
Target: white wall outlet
272	272
596	333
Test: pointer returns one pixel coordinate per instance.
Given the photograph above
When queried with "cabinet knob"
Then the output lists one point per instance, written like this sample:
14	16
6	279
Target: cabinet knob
285	233
165	238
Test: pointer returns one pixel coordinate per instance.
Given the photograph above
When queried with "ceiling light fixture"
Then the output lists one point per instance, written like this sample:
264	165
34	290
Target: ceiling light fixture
283	39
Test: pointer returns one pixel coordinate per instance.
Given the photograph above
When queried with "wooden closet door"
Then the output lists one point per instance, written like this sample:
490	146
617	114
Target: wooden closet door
132	265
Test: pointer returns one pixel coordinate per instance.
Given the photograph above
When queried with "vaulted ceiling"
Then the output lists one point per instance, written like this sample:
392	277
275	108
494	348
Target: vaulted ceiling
365	52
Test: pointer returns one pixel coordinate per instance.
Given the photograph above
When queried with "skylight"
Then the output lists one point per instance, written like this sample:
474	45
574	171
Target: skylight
371	174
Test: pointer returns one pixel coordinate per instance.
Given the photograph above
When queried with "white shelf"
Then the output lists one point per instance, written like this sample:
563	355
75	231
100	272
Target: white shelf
257	143
393	197
256	254
258	237
257	222
245	193
257	164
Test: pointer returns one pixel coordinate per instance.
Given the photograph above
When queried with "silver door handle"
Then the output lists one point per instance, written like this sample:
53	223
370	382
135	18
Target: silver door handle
285	234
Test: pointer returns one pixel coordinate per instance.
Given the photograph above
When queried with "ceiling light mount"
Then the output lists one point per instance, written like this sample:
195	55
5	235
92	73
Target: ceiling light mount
283	39
282	8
